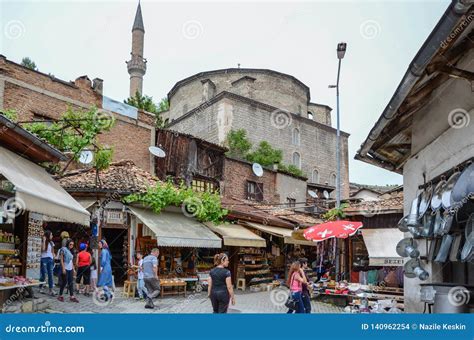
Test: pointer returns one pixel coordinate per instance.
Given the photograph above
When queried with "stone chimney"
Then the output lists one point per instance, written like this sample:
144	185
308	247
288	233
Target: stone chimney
83	82
98	85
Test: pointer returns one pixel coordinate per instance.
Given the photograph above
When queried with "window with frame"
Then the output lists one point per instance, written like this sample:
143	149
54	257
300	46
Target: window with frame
296	137
333	179
291	202
254	191
202	186
315	176
297	160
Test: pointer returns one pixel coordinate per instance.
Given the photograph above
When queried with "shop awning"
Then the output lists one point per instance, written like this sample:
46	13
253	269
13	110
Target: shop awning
381	245
173	229
37	191
86	203
238	236
279	232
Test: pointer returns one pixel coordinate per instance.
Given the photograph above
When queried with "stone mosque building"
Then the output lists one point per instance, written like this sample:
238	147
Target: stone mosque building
269	105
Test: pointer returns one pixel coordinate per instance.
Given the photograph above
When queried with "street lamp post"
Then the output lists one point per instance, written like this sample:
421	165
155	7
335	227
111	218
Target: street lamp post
341	51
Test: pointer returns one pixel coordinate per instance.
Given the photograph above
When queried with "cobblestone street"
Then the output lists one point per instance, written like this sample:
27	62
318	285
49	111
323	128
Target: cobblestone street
194	303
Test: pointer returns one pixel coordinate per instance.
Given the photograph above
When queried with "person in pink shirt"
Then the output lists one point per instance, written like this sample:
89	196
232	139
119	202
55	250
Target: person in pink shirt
296	278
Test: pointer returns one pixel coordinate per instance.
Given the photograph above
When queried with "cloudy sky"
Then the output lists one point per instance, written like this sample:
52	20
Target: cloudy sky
70	39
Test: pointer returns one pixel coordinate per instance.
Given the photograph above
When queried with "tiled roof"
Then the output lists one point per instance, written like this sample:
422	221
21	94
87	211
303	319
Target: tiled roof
389	203
269	213
123	177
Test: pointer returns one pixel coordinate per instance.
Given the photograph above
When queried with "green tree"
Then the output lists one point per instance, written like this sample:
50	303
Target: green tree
163	105
238	143
265	155
27	62
75	131
146	103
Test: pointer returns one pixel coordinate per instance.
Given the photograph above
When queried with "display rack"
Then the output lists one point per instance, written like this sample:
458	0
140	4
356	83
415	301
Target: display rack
254	267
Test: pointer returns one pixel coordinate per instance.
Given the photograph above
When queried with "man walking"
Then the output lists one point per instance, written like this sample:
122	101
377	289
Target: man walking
150	276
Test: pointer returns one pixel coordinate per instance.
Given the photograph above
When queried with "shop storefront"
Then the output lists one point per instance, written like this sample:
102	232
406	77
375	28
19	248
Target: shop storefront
28	197
186	246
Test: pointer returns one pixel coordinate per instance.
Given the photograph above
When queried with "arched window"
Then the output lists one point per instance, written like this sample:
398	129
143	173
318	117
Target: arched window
310	115
315	176
297	160
296	137
333	179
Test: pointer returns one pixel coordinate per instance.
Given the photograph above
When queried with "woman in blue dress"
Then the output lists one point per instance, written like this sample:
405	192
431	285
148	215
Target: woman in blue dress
105	277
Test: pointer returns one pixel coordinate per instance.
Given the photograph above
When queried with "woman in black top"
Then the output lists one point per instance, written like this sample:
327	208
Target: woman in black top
220	288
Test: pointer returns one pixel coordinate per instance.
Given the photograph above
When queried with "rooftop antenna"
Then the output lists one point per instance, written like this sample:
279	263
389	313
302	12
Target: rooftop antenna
156	151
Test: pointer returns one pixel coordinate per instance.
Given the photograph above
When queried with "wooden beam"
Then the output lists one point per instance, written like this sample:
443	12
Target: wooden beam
455	72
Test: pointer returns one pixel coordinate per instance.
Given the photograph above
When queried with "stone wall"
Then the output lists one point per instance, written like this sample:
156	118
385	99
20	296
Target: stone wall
32	93
321	113
269	87
317	141
290	187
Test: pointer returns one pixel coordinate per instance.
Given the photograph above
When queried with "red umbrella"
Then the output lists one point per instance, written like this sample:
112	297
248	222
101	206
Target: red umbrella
338	229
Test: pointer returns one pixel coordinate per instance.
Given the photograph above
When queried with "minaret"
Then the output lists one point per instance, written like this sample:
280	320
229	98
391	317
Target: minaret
137	64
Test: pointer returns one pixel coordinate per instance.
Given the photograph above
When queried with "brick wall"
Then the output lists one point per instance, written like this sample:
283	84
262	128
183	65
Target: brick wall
29	92
236	175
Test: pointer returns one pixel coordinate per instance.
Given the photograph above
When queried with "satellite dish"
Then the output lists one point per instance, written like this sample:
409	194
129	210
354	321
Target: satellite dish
86	157
326	194
156	151
407	248
257	169
413	269
312	194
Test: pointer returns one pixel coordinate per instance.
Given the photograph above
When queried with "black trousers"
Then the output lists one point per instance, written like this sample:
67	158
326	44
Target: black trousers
66	280
220	301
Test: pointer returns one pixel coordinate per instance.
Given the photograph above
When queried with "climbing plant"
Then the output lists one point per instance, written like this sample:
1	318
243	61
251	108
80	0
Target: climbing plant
204	206
240	146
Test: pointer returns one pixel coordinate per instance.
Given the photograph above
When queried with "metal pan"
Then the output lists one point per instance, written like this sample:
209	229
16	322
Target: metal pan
438	223
428	225
464	182
444	249
448	188
436	200
446	225
467	252
425	199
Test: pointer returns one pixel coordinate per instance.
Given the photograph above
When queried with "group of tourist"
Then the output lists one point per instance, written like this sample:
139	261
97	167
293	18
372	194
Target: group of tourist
73	267
80	268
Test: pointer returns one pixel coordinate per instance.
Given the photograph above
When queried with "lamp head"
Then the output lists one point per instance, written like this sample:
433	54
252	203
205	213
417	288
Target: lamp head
341	50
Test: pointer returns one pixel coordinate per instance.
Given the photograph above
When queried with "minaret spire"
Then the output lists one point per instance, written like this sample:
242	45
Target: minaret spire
137	64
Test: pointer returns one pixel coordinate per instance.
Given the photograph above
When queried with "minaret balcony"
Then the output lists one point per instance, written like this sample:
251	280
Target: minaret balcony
137	65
